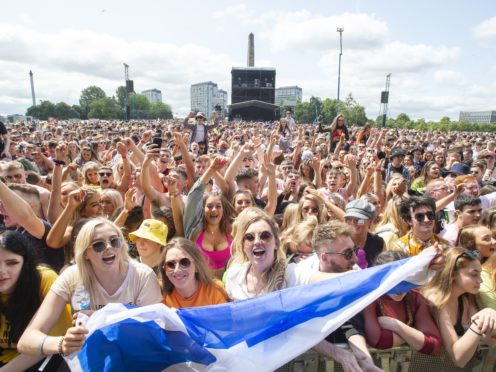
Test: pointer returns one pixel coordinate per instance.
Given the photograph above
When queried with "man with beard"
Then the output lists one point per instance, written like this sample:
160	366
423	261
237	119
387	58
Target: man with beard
335	253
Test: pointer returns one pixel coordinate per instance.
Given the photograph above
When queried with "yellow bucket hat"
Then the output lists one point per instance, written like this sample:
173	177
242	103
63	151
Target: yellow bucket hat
153	230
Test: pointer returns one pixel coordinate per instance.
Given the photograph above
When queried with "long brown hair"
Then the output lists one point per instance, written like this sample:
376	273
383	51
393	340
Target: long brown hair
203	272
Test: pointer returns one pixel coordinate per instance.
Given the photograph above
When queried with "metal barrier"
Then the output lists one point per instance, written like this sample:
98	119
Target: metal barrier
400	359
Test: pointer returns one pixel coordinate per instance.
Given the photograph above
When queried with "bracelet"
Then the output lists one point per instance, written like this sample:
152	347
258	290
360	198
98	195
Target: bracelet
58	162
59	348
477	333
43	343
173	194
378	169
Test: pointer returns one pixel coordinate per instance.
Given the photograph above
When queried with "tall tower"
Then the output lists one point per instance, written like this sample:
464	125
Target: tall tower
32	87
251	50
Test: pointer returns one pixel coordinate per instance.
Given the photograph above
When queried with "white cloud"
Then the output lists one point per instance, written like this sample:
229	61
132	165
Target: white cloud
301	31
67	61
485	29
449	78
234	10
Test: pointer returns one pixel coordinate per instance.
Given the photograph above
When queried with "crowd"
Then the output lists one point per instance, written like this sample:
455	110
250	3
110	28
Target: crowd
193	213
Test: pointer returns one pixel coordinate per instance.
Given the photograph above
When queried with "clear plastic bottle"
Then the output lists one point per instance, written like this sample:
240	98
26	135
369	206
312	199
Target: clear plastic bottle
81	299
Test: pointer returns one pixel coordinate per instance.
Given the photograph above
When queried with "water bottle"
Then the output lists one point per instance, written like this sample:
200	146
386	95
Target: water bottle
81	299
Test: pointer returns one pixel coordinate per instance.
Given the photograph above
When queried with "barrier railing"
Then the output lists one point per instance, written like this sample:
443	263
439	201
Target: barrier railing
399	359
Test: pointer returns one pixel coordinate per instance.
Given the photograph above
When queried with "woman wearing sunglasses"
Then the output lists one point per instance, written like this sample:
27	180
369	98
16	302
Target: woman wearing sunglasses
258	261
103	273
187	280
452	293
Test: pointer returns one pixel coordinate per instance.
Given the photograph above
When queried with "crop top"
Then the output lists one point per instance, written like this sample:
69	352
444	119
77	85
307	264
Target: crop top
215	259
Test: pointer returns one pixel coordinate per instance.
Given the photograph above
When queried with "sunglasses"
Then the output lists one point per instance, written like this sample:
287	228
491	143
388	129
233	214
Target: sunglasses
420	217
100	245
310	210
347	254
104	174
355	221
264	236
326	166
471	255
15	176
184	263
339	167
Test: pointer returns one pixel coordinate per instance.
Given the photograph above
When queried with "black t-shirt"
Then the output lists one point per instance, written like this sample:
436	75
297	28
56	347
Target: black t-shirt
51	257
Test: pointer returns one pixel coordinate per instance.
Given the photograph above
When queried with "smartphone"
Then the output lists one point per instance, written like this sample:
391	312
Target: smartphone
157	141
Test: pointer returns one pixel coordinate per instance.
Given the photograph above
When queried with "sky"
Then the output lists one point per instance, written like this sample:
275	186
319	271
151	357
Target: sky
441	54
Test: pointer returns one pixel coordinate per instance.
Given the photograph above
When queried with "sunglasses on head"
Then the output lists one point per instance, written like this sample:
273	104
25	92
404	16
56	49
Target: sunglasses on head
264	236
471	255
104	174
184	263
420	217
100	245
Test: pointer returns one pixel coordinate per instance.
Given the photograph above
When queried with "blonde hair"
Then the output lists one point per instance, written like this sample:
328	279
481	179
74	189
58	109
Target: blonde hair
389	188
290	216
274	276
83	241
91	165
322	211
301	233
391	214
439	290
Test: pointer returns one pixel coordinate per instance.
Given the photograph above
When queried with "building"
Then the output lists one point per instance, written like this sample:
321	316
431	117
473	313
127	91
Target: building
253	83
207	97
288	96
153	95
478	117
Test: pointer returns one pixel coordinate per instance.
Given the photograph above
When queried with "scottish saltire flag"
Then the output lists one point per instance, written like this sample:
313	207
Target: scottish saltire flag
259	334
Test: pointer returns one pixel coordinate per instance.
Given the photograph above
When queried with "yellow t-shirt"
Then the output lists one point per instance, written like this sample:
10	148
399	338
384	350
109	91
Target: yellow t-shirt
487	293
9	352
207	294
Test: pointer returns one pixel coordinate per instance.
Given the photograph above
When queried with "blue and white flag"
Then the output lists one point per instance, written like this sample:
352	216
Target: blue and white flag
259	334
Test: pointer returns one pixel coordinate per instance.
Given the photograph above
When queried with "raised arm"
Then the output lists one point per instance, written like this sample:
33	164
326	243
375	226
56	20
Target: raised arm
145	177
21	212
60	233
269	169
129	205
176	205
136	154
123	186
180	141
350	162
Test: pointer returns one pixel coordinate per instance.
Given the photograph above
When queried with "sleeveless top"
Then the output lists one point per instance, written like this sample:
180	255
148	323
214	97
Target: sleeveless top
215	259
459	328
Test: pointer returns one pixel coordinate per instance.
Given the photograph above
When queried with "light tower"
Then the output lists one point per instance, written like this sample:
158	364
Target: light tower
385	100
340	30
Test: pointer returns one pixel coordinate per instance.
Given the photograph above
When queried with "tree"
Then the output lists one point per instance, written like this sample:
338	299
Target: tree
404	118
79	110
120	94
139	102
303	113
63	111
160	110
42	111
89	95
329	109
104	108
315	107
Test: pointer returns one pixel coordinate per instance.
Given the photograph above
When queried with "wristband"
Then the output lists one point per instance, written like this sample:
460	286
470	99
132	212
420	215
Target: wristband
43	343
477	333
59	348
173	194
378	169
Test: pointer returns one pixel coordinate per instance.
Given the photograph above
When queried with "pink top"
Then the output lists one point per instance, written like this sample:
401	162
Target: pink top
215	259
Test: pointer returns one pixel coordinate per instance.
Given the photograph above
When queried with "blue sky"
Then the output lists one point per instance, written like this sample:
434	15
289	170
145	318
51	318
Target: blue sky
440	53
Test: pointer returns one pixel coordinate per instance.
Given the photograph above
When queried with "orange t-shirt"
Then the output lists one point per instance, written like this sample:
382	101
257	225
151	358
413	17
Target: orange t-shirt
207	294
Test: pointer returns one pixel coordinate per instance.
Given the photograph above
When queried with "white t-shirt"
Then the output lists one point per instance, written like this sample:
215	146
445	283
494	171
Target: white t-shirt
236	279
140	287
199	134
